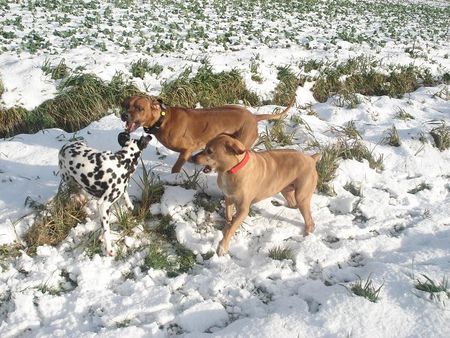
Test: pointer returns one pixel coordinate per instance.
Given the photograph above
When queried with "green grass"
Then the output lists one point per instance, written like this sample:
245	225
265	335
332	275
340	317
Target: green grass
276	135
366	289
441	136
152	190
344	148
55	219
142	66
280	253
175	259
362	76
58	72
422	186
207	88
287	86
8	252
392	137
2	87
81	99
432	287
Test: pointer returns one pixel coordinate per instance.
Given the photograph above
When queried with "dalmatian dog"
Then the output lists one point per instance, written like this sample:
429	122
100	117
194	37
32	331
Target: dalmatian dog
104	175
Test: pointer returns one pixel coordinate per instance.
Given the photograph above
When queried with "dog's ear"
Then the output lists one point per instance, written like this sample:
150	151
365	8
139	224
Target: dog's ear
143	142
123	138
234	146
126	103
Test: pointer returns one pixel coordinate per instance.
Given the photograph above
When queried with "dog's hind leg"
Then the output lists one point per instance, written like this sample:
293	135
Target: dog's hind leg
304	205
127	199
289	194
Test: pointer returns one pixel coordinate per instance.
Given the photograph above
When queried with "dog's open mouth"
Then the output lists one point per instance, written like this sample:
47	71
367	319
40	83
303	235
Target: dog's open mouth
132	126
207	169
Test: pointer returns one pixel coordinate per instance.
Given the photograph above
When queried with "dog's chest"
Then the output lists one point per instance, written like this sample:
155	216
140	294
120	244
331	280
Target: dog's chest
227	184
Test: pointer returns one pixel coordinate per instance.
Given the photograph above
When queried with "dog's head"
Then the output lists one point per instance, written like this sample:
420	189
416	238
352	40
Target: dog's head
220	153
140	111
124	137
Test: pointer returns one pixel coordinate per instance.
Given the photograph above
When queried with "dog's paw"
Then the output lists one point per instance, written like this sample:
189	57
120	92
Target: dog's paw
221	250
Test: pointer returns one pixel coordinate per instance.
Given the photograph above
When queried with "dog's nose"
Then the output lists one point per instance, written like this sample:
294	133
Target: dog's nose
124	117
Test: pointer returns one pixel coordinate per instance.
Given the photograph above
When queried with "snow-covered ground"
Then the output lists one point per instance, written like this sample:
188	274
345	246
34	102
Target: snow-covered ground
388	233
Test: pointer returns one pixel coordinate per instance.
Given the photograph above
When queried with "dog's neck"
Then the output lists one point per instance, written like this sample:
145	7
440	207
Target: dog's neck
157	125
241	163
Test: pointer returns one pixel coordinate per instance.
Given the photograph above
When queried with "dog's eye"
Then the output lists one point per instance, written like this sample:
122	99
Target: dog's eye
208	151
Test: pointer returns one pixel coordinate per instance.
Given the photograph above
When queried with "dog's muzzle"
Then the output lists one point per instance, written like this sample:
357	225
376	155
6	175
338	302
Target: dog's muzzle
123	138
124	117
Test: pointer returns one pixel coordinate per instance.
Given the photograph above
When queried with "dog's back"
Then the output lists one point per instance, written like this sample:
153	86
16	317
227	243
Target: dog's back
96	172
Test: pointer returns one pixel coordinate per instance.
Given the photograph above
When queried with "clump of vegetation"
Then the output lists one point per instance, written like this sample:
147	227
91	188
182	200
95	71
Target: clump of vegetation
359	75
142	66
2	87
402	114
277	134
8	252
441	136
432	287
366	289
287	87
280	253
392	137
55	219
207	88
58	72
82	99
175	259
422	186
342	149
152	190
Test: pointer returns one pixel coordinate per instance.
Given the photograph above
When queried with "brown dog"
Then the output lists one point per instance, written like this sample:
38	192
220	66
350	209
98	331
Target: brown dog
248	177
186	130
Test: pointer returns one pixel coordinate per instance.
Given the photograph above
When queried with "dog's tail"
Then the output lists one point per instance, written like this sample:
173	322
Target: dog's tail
277	116
316	157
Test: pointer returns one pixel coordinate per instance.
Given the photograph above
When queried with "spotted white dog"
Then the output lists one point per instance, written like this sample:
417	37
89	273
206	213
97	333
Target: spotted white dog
104	175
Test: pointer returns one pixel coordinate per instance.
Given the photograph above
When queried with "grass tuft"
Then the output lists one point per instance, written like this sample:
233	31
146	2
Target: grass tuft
81	99
342	149
152	190
142	66
287	87
207	88
392	137
422	186
58	72
55	219
281	253
432	287
441	136
366	289
360	75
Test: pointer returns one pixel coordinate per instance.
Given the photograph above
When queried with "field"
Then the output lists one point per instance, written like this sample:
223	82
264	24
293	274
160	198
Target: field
373	97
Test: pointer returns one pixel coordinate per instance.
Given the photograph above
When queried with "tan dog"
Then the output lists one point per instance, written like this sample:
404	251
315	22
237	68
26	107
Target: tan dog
248	177
186	130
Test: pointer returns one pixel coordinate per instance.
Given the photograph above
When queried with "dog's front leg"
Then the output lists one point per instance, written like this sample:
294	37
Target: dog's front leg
104	220
228	209
228	231
185	155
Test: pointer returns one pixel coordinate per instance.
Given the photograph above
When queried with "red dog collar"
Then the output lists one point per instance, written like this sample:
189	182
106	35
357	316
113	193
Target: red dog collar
241	164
